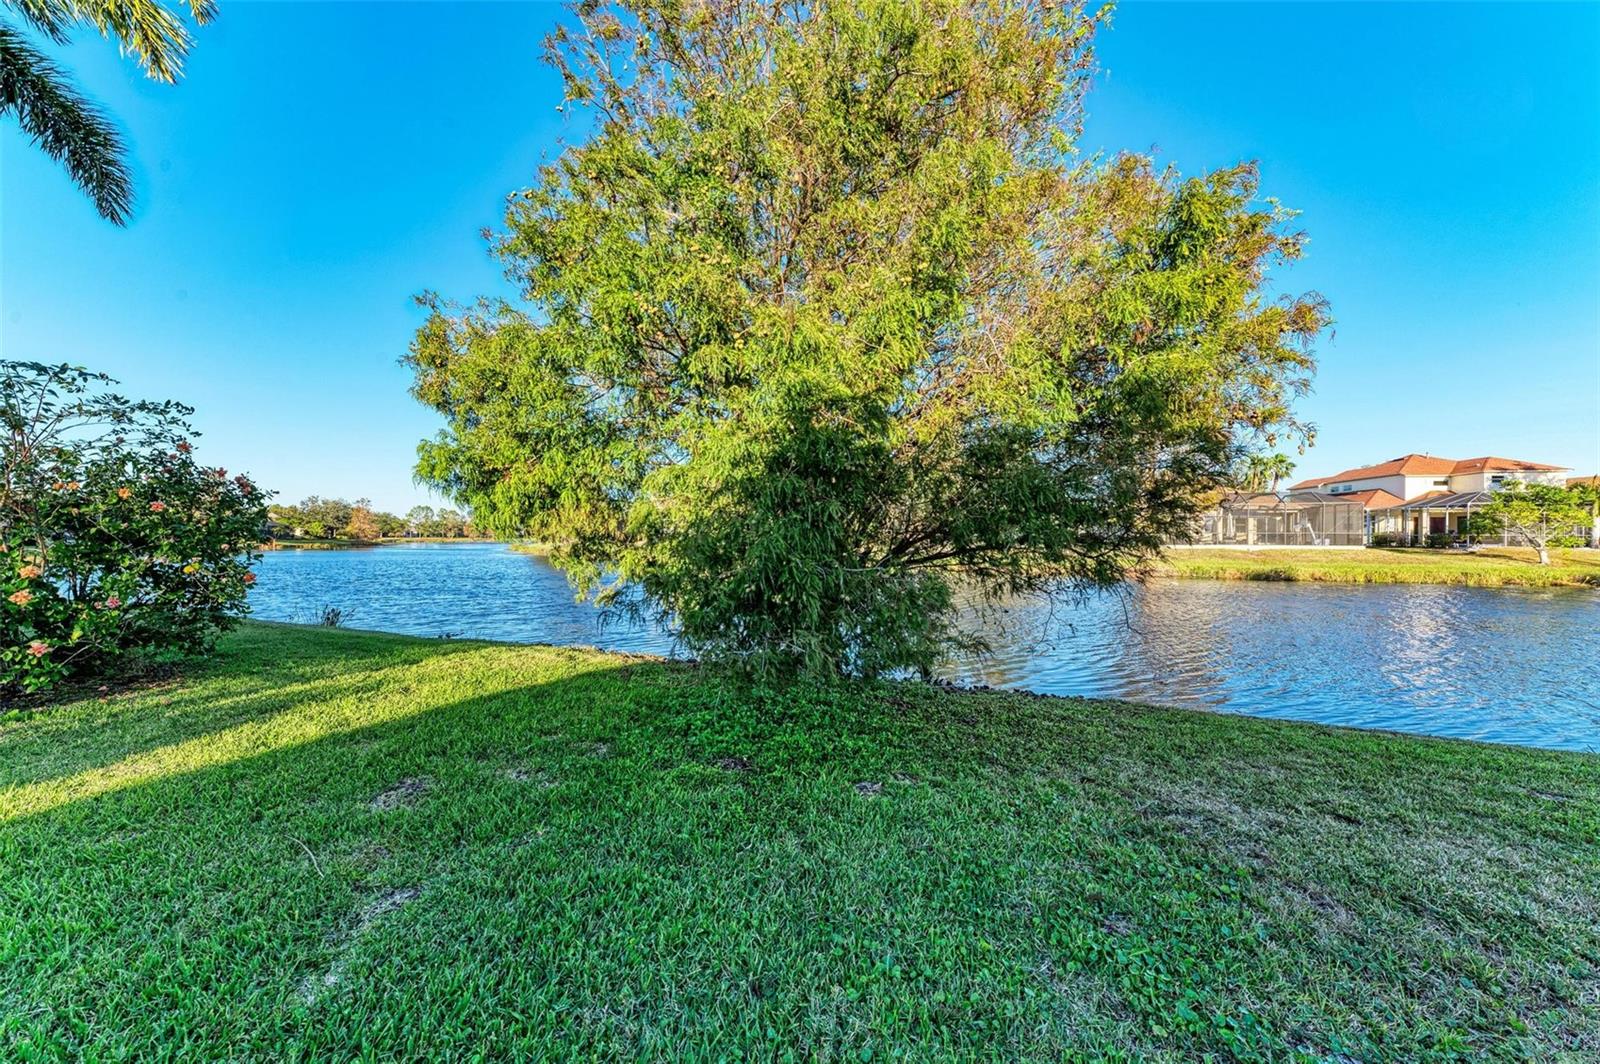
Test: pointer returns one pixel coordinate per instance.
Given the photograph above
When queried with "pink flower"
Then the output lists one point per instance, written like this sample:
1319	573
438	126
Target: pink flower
113	602
38	649
184	447
28	572
21	598
157	507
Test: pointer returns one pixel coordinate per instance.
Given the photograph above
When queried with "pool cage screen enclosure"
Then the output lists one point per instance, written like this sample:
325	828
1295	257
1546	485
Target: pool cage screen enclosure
1306	519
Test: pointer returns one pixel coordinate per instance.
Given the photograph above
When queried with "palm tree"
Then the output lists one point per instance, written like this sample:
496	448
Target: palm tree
1257	471
62	121
1248	474
1276	467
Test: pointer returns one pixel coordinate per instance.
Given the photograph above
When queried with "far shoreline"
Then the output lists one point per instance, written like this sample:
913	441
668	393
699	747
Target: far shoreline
1491	567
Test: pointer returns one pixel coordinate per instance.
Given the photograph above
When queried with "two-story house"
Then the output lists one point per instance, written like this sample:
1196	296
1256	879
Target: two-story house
1418	495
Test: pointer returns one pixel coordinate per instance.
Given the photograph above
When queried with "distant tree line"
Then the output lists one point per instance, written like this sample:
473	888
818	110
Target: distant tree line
317	518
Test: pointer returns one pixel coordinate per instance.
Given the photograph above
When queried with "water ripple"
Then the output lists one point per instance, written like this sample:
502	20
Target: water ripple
1507	666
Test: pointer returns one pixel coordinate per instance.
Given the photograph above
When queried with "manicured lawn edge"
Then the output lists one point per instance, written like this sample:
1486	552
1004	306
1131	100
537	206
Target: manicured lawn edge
1495	567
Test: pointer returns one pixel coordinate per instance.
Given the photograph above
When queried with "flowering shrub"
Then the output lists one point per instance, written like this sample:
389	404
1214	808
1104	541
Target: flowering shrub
114	542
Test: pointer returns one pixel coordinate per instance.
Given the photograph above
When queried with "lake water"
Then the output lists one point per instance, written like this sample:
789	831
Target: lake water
1506	666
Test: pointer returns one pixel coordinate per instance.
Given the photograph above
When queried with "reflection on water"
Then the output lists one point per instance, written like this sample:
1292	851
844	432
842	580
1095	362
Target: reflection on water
1500	665
465	590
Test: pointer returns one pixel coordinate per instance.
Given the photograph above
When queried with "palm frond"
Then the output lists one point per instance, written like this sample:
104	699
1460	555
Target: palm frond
65	124
156	36
53	18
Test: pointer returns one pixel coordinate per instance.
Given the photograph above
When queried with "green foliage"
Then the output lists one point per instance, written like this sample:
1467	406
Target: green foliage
114	541
315	517
59	119
1540	516
826	327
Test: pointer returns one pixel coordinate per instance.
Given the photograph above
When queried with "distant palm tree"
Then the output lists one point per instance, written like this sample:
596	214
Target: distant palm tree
1248	474
62	121
1277	467
1261	472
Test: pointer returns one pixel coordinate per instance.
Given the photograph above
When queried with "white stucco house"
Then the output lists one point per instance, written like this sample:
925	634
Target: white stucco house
1417	495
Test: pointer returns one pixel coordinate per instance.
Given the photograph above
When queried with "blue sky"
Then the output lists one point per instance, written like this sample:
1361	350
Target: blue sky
322	162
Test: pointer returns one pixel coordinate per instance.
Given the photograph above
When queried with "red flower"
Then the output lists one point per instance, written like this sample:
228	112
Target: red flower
38	649
157	507
113	602
21	598
249	578
183	447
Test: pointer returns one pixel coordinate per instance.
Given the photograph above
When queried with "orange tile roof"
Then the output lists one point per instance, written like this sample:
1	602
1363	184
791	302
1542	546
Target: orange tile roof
1478	465
1421	465
1373	498
1405	465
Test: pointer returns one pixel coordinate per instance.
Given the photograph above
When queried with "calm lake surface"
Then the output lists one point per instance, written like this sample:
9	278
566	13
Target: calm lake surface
1506	666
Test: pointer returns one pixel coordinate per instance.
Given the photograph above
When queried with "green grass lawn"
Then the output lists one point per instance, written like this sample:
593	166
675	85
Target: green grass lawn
337	845
1491	567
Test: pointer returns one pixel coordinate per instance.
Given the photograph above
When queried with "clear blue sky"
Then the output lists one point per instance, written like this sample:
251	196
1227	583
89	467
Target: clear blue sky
322	162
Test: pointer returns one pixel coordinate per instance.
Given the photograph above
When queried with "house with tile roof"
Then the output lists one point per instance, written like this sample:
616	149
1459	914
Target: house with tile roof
1412	475
1418	495
1405	500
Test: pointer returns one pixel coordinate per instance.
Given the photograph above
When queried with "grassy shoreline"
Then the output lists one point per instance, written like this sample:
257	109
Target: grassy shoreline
332	843
1491	567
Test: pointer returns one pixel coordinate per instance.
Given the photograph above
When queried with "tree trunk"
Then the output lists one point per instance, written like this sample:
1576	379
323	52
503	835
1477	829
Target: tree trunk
1544	554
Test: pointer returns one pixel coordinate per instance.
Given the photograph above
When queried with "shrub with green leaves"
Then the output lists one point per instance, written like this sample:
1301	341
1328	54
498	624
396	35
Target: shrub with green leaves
1536	515
115	544
825	324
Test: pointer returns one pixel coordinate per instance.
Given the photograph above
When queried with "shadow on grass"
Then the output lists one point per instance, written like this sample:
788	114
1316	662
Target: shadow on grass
206	696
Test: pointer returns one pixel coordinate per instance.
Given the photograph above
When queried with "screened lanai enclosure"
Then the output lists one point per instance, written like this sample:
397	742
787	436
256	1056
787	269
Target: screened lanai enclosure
1301	519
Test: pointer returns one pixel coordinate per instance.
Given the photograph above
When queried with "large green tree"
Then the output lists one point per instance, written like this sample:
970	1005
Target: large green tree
824	323
63	122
